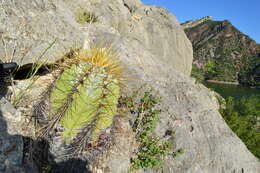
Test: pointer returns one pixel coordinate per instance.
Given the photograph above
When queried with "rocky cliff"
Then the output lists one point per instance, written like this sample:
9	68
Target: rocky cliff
193	23
154	50
222	52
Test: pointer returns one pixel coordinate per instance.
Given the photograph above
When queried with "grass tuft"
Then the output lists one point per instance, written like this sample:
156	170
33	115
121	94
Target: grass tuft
86	17
31	76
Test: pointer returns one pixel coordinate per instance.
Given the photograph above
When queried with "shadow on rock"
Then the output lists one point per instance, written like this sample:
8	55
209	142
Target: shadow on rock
38	152
3	88
23	154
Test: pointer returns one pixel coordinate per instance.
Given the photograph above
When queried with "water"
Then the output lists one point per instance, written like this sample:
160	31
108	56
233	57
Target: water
235	91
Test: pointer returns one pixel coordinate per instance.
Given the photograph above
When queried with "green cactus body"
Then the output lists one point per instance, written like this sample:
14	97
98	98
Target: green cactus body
86	95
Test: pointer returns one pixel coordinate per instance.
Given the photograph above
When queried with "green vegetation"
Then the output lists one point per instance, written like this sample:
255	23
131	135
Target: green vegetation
251	75
83	17
210	70
243	117
47	168
151	148
85	95
197	73
225	53
206	72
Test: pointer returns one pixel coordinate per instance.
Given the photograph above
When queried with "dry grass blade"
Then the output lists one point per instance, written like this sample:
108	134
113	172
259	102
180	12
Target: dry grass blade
31	76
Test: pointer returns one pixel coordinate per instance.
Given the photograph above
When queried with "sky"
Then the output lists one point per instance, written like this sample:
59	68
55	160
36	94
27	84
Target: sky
243	14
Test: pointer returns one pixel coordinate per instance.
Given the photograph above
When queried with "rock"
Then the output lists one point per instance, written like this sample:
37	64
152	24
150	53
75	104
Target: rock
49	30
116	158
160	33
193	23
154	51
208	143
154	27
11	143
26	93
132	5
37	31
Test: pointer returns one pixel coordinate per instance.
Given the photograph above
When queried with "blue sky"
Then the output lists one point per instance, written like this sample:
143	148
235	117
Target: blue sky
243	14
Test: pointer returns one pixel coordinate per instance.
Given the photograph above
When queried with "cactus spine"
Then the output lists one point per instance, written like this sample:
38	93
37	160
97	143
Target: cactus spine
87	93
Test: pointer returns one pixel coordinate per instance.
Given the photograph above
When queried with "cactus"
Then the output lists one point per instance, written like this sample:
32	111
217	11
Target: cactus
86	94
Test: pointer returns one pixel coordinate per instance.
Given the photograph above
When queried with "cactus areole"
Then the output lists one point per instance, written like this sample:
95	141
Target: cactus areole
85	95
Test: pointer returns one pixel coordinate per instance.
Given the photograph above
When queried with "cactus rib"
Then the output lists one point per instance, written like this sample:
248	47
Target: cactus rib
86	95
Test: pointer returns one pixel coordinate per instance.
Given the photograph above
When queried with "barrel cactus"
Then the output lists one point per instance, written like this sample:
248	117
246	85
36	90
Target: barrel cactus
86	94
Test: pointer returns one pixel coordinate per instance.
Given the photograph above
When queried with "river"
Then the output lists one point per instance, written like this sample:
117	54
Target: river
236	91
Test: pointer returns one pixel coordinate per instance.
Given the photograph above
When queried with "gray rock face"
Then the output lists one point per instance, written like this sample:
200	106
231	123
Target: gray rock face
39	30
154	50
160	33
209	144
116	158
154	27
46	30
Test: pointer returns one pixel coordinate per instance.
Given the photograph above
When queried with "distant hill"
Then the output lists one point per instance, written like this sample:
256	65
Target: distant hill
223	53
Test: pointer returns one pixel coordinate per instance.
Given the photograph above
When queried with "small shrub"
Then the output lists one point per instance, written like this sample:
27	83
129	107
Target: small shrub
197	73
151	148
86	17
242	116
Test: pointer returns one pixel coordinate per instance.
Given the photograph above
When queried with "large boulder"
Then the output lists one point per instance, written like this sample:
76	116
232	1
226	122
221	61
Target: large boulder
46	30
154	50
33	31
192	112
